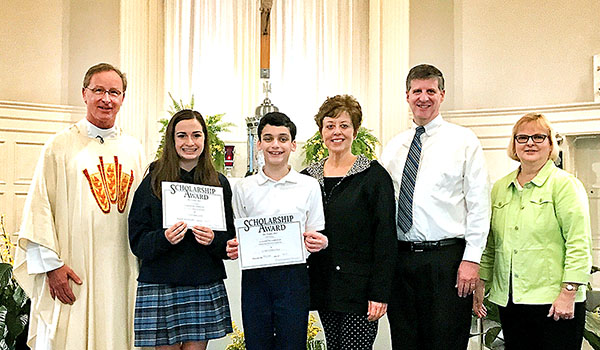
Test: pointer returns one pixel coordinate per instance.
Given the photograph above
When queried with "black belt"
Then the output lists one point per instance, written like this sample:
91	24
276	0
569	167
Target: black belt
423	246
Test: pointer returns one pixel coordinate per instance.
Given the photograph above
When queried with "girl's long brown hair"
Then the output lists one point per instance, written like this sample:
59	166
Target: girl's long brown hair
166	168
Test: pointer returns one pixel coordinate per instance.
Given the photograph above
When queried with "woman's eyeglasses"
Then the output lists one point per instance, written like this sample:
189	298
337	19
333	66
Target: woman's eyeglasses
537	138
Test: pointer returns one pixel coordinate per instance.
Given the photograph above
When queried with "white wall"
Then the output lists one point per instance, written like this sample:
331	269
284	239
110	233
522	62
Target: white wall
48	45
431	41
535	52
508	53
93	37
32	51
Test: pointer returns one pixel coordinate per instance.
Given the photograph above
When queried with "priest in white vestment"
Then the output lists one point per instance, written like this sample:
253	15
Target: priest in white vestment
73	256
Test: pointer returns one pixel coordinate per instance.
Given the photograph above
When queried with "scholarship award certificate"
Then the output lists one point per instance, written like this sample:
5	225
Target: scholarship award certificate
270	241
193	204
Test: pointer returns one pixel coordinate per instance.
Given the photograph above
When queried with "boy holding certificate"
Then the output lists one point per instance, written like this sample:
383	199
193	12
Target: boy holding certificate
275	299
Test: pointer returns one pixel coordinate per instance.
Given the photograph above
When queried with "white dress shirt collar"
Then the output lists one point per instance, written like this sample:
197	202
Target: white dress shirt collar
291	176
93	131
430	127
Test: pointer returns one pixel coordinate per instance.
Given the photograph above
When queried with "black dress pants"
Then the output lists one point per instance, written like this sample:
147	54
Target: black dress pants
275	303
527	327
425	311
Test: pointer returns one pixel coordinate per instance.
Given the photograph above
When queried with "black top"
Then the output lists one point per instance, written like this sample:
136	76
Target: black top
187	263
329	183
358	265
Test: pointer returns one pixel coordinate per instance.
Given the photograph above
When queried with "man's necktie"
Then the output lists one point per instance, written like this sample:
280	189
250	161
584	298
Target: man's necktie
407	186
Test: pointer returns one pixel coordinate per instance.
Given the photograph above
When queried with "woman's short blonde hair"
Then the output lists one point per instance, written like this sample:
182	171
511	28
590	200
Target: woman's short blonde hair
543	123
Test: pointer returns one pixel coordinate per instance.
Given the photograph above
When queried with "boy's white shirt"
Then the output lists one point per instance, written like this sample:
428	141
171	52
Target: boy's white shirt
295	193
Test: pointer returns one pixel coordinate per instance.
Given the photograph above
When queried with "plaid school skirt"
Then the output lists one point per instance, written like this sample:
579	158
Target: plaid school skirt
167	315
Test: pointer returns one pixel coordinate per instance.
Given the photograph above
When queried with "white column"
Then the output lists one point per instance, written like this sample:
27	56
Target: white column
388	66
142	59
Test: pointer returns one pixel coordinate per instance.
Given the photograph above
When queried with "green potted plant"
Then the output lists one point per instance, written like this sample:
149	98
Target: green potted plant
312	343
591	333
214	126
490	326
592	327
237	339
364	143
14	304
239	343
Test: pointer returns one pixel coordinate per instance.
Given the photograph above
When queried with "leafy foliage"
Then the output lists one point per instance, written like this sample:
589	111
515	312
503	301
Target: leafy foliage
214	126
217	146
14	305
238	341
311	334
364	143
592	319
592	339
491	326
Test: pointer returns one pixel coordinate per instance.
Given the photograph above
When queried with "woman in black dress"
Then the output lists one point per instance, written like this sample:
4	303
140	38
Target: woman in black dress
351	280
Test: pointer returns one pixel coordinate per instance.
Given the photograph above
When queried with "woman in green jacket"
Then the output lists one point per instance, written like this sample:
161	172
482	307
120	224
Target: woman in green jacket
538	255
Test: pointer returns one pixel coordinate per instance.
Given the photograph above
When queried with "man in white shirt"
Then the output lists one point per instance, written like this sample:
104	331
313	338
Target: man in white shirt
73	256
443	217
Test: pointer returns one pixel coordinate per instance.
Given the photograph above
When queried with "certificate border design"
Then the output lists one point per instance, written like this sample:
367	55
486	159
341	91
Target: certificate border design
221	203
301	260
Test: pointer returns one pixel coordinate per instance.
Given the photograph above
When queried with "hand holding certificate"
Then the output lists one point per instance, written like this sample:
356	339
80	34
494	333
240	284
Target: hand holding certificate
196	205
270	241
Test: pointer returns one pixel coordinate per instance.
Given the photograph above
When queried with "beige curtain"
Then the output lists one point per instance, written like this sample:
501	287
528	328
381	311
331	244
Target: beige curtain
319	48
211	51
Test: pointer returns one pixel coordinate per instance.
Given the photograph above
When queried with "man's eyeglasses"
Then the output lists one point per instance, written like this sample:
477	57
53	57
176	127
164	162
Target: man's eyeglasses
100	91
537	138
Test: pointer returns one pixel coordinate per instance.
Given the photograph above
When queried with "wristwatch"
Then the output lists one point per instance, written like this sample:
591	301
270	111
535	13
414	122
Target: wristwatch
570	286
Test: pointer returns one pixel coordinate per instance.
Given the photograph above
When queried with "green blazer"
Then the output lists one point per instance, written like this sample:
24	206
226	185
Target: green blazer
540	236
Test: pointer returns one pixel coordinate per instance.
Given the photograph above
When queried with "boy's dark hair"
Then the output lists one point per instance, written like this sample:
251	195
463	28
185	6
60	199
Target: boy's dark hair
276	119
425	72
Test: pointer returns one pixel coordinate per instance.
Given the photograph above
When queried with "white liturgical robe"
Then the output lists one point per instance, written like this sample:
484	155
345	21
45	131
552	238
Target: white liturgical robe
77	207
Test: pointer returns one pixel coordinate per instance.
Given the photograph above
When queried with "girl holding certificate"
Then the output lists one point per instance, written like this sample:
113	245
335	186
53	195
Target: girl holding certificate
181	299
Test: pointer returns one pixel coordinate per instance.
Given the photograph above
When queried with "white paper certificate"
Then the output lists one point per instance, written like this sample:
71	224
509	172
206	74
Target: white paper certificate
270	241
193	204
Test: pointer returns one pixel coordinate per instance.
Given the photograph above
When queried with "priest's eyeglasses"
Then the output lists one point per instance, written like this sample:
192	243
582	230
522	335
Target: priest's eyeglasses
100	91
537	138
